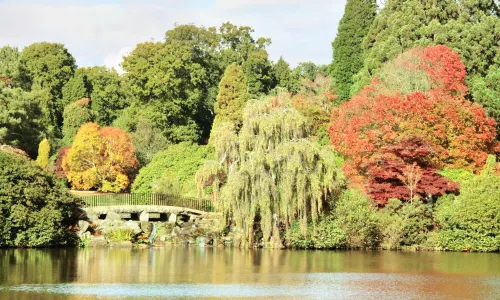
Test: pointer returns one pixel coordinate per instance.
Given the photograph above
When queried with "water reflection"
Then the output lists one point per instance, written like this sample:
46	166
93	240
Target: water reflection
208	273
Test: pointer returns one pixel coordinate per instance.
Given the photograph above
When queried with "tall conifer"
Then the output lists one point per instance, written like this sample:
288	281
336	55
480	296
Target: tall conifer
347	51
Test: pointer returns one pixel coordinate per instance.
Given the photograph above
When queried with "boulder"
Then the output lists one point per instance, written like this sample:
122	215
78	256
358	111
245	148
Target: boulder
172	218
134	226
112	216
98	241
84	226
144	217
146	227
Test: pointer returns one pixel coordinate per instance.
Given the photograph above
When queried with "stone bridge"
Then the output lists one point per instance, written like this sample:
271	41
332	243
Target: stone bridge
147	213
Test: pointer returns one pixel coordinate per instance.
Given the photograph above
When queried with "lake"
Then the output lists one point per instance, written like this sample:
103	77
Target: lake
208	273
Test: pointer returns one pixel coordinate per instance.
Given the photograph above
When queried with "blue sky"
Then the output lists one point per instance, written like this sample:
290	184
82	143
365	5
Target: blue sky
101	32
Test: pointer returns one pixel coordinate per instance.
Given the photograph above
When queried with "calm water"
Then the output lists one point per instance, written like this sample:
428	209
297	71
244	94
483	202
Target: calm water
206	273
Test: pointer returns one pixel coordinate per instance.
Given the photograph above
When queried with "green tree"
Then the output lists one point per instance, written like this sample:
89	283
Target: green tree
347	50
148	140
9	65
35	208
271	170
75	115
471	28
310	70
47	66
43	154
232	96
285	77
486	90
75	89
20	119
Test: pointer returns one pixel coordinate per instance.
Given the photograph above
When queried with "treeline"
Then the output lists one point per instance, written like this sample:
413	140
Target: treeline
392	145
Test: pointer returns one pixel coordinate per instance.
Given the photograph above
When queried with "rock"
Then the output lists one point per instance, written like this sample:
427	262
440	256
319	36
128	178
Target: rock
144	217
146	227
124	244
84	226
172	218
98	241
134	226
112	216
92	217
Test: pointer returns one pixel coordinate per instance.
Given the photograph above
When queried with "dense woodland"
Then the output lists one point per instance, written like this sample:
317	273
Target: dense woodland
393	145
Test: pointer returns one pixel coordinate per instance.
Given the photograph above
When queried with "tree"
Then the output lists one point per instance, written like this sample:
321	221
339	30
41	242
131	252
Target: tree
75	89
347	50
470	28
148	140
460	132
35	209
43	154
9	66
486	90
270	171
310	70
47	66
75	115
177	164
101	159
20	123
285	77
232	96
405	170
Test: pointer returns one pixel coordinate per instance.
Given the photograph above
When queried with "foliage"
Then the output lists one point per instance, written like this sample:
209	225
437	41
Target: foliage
101	159
309	70
470	28
347	50
486	90
405	224
405	171
58	163
9	66
460	132
75	115
35	209
471	220
285	77
324	235
232	96
357	217
172	168
20	123
75	89
47	66
120	235
270	169
148	140
43	154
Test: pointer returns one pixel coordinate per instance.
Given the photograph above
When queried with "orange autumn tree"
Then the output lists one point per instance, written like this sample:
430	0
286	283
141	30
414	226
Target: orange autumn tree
419	94
101	159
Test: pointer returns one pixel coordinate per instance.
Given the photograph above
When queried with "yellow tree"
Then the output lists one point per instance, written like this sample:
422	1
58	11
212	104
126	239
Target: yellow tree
101	159
43	154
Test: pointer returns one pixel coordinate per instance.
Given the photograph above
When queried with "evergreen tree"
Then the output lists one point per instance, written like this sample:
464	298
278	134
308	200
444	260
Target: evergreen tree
285	78
347	51
232	96
76	88
9	65
43	154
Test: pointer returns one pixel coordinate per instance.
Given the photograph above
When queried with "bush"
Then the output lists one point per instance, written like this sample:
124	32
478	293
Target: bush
405	224
352	224
324	235
175	166
357	217
120	235
35	209
471	220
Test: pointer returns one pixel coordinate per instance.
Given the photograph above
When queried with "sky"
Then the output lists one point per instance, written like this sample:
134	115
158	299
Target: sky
102	32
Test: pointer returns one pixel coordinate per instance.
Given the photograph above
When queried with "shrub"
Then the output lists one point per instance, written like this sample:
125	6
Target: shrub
120	235
326	234
43	154
405	224
35	209
175	166
471	220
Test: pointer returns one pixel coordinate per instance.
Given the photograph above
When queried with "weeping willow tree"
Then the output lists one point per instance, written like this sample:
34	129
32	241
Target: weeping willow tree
270	171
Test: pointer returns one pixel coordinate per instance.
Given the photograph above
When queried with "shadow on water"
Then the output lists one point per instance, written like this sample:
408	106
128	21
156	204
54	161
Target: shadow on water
181	272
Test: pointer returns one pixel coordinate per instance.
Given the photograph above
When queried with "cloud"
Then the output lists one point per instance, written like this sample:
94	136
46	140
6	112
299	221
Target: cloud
101	33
